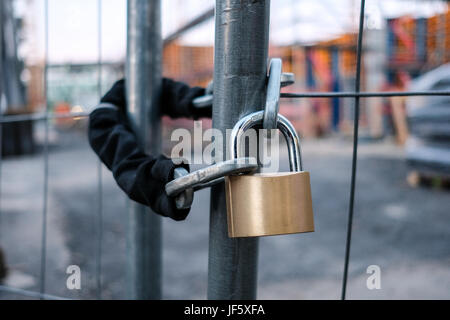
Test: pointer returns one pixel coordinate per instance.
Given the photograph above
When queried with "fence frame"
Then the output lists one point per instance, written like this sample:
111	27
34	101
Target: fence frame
144	63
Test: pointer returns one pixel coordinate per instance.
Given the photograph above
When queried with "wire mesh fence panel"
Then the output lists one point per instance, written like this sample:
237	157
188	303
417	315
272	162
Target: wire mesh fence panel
61	127
65	166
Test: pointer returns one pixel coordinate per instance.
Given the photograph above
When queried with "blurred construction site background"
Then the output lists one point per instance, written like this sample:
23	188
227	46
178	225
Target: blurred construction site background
317	42
406	47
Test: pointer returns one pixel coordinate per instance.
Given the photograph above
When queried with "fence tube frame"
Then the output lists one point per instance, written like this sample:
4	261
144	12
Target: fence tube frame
240	73
144	78
1	118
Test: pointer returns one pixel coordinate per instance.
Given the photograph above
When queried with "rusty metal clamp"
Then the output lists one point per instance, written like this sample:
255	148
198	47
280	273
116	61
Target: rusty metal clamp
184	185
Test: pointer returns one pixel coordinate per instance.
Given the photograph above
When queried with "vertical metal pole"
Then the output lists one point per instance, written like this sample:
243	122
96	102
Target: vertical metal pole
46	158
99	215
143	86
1	116
355	149
241	49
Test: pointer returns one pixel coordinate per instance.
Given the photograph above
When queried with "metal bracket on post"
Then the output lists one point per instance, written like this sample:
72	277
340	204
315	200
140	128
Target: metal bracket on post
287	79
273	95
276	80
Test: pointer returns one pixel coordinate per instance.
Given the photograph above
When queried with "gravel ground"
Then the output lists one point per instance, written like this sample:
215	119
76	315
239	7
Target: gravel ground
403	230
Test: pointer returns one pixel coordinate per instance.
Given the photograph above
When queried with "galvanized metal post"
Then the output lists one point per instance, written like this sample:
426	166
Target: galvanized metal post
1	60
143	88
241	49
1	118
1	54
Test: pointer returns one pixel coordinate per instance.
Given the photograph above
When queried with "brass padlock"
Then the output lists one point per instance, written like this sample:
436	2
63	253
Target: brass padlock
266	204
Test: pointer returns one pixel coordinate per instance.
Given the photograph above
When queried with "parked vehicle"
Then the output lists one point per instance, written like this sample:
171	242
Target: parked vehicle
428	148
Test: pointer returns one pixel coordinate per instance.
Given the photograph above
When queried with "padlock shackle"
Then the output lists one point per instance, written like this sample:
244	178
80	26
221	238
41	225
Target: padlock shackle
284	125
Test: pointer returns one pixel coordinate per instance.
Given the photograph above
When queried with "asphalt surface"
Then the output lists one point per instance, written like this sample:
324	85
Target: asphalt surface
403	230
